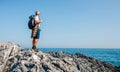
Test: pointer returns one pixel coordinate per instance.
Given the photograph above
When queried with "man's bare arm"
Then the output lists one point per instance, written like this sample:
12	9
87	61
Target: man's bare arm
38	21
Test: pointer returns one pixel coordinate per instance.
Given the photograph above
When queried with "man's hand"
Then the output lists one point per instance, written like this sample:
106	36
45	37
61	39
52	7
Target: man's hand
41	21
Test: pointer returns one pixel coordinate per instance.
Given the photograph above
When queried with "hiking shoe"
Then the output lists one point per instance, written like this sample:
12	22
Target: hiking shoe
35	49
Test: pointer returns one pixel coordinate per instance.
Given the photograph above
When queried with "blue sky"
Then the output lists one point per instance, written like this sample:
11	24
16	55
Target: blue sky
67	23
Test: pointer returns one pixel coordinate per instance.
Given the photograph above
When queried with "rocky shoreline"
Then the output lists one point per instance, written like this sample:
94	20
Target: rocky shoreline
14	58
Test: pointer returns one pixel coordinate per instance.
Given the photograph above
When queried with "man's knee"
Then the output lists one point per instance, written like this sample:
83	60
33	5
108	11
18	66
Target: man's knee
35	39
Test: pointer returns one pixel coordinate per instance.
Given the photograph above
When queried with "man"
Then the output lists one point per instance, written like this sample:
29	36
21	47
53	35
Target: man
36	31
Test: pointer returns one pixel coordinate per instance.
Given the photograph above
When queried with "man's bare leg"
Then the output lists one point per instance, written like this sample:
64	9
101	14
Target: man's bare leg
34	43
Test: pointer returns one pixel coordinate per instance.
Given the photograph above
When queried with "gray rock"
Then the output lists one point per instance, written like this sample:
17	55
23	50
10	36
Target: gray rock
14	59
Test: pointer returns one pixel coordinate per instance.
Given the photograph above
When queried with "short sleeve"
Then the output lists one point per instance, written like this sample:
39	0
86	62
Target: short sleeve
36	18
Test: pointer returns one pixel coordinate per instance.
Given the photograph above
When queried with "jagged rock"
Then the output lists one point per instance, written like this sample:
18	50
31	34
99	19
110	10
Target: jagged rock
14	59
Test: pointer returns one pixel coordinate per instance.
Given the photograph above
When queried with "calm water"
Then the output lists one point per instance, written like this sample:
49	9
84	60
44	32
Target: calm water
109	55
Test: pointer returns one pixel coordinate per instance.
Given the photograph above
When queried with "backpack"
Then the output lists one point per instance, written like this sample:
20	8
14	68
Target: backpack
31	24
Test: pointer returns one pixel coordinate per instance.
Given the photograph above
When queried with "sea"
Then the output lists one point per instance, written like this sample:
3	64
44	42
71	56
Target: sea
110	55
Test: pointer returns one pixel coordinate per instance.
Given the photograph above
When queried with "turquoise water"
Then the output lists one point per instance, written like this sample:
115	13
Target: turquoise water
108	55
